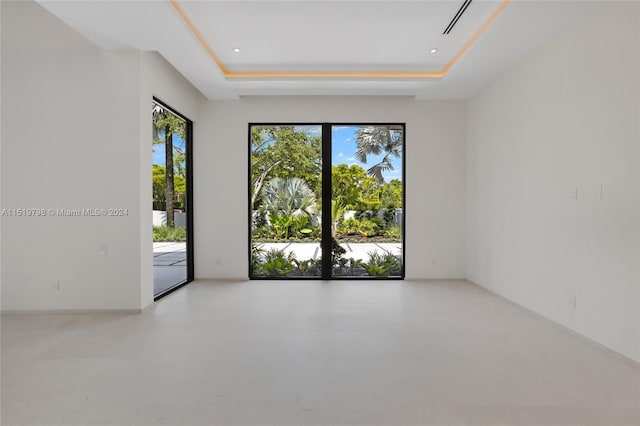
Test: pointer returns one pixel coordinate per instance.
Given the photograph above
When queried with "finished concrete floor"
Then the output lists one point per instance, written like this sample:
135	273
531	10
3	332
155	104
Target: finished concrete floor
312	353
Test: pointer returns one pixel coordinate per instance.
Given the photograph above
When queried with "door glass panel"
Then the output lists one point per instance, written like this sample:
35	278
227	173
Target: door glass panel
367	201
169	177
285	201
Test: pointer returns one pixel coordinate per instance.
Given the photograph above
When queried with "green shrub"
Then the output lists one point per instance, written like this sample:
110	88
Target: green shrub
263	232
368	228
164	233
277	263
349	226
364	227
394	231
336	252
382	264
256	259
389	216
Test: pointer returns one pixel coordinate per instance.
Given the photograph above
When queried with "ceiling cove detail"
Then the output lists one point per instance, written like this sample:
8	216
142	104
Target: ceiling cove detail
322	75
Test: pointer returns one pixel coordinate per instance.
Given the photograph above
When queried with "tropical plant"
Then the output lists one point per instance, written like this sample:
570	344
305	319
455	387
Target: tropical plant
303	265
353	226
281	224
165	233
354	263
382	264
277	263
336	252
349	226
367	228
299	224
378	140
394	231
290	203
389	216
315	267
256	259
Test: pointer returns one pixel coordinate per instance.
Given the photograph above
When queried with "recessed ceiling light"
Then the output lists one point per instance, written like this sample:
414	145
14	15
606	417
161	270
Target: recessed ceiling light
434	50
236	49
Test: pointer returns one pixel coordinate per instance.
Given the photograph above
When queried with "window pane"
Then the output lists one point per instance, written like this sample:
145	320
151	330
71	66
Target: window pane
286	206
367	200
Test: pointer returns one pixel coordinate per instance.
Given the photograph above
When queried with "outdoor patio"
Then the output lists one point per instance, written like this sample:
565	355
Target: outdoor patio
169	265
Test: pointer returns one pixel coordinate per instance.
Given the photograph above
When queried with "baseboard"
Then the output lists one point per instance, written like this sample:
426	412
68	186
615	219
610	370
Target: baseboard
624	358
221	279
71	311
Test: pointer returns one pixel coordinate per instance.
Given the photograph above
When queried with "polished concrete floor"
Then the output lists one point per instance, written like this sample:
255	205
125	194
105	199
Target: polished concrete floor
312	353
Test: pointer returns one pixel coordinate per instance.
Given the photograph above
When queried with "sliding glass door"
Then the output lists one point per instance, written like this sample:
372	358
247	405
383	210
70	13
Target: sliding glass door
326	191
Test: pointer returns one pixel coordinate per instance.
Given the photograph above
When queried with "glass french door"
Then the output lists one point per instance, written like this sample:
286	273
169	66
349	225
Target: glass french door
172	202
326	201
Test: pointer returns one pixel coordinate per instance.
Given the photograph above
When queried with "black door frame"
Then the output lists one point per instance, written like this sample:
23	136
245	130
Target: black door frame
189	204
325	245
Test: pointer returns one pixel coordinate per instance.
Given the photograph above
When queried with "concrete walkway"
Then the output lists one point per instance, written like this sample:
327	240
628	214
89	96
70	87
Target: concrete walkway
169	265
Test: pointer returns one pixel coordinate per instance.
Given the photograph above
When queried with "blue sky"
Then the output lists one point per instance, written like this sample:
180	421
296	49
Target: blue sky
343	151
158	150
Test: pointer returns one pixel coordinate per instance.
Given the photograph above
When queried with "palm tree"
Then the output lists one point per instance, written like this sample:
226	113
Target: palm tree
167	124
375	140
289	196
290	203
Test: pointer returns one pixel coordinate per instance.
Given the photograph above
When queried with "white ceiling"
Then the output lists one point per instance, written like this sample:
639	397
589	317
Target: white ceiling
324	36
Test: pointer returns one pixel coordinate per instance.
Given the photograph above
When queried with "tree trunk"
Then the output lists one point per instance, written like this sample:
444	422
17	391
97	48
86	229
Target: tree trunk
169	190
257	185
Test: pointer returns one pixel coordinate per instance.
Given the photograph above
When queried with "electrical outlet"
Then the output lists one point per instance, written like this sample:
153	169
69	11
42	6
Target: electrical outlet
55	285
573	193
103	250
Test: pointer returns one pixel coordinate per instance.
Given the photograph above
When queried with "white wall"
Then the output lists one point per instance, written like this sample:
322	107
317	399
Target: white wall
1	203
69	131
435	162
565	118
76	133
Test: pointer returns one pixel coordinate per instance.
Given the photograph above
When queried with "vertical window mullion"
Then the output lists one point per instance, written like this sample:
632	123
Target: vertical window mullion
327	238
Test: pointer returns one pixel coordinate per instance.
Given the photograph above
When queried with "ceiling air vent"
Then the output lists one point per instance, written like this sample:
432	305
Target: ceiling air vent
455	19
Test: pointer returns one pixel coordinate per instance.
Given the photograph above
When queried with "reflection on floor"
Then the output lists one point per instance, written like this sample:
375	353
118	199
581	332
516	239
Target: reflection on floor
169	265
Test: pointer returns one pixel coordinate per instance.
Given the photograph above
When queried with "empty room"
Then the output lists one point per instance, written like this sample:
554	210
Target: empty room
320	212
